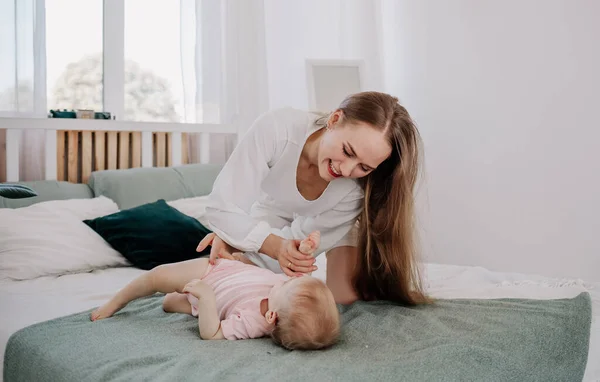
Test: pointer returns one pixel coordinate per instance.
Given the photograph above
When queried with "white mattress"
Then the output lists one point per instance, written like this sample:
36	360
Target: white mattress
28	302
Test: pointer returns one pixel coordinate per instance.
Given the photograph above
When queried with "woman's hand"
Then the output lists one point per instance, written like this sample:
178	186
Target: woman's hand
219	248
292	261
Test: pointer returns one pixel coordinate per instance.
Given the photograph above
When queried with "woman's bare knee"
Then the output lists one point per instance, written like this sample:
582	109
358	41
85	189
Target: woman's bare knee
341	262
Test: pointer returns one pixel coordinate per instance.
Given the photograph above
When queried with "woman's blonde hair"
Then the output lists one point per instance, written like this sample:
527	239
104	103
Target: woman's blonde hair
387	267
310	321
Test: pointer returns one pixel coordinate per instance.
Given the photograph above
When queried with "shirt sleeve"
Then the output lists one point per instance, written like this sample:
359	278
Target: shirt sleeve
244	325
238	186
334	225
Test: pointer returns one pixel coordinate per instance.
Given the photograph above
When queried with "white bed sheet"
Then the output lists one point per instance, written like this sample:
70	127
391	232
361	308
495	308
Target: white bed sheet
24	303
27	302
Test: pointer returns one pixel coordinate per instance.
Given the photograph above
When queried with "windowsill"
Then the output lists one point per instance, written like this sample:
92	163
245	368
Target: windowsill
20	123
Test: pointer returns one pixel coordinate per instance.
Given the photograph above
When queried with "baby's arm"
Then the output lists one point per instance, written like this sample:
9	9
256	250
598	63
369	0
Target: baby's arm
209	323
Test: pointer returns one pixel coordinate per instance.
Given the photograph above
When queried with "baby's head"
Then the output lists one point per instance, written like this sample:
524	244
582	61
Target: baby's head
305	314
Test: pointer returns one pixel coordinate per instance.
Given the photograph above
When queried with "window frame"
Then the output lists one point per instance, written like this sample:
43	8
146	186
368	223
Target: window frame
113	57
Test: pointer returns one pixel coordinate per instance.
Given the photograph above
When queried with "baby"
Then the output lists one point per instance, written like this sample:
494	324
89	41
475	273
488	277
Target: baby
235	300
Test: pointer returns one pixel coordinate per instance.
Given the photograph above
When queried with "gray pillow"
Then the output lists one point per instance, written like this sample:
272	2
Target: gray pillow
134	187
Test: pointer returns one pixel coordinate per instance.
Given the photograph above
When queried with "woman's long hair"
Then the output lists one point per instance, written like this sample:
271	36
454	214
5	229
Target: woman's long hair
387	267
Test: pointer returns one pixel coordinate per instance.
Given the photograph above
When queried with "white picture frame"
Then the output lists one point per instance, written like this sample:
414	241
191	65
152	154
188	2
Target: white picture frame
330	81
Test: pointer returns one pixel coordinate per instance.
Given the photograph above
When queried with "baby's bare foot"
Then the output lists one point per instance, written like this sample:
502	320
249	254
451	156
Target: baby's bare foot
310	244
105	311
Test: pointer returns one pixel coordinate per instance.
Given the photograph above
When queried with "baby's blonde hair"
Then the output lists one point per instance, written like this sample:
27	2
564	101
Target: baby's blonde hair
310	320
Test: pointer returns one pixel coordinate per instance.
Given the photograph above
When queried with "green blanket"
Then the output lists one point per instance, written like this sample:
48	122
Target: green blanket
453	340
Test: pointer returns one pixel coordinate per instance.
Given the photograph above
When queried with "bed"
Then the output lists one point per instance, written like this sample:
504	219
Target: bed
44	308
34	301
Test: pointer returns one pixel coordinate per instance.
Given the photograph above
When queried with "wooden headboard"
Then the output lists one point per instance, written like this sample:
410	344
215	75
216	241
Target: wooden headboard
78	153
77	147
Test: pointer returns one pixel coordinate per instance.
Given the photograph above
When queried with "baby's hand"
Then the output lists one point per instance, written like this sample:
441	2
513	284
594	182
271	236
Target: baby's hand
196	288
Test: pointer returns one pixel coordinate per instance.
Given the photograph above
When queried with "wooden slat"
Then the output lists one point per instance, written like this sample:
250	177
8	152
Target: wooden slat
86	155
50	170
99	150
123	150
169	152
175	146
160	149
73	156
147	149
111	150
61	156
13	143
136	149
184	148
2	155
204	147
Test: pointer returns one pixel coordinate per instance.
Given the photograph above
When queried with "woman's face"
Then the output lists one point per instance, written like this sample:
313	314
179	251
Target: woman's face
351	150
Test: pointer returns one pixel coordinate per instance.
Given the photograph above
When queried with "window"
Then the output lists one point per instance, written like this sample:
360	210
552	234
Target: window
141	60
16	56
152	87
153	72
74	55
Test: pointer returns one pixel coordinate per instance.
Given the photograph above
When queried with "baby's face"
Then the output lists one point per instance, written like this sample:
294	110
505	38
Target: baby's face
282	295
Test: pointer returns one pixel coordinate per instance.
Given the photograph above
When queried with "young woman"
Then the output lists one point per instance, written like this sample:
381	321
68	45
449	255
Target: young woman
350	174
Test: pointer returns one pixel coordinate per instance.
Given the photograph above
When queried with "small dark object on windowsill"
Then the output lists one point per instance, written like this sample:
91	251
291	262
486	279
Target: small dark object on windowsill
102	115
62	114
73	114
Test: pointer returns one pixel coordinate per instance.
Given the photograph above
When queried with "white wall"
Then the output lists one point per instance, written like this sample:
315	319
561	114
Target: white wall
290	40
507	98
318	29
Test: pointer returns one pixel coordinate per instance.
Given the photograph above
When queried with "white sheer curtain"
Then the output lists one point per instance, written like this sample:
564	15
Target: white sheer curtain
250	54
23	76
227	83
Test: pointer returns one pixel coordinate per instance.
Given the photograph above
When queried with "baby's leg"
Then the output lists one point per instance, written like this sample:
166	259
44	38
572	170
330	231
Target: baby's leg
165	278
310	243
177	303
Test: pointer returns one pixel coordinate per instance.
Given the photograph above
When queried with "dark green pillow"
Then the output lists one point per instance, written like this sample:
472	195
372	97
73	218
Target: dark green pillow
16	191
152	234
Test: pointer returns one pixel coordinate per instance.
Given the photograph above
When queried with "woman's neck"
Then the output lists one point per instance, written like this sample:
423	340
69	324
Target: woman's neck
310	151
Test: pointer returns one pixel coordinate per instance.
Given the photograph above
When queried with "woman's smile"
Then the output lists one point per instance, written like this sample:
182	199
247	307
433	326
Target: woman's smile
332	171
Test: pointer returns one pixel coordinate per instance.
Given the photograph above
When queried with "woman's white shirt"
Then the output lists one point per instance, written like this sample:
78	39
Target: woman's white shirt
255	194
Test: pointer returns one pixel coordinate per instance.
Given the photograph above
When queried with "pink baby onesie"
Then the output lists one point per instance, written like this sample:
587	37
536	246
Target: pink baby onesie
239	288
